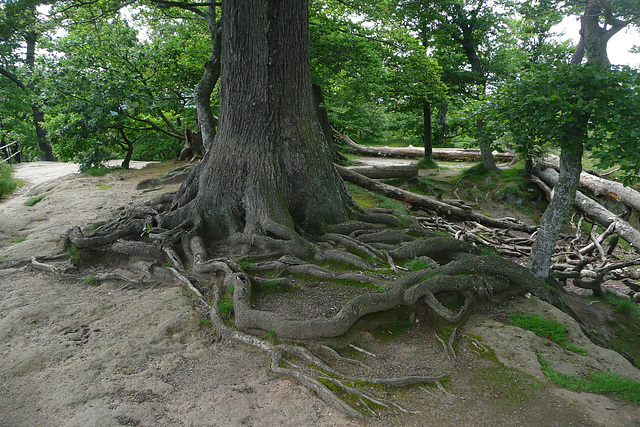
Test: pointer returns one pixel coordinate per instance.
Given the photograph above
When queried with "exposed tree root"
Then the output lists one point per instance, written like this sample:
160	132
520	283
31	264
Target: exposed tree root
372	254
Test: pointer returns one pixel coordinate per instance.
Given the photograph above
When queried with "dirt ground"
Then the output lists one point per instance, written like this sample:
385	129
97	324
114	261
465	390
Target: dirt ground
108	355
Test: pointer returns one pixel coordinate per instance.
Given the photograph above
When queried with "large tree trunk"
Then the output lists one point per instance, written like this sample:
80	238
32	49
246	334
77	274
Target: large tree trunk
269	169
556	213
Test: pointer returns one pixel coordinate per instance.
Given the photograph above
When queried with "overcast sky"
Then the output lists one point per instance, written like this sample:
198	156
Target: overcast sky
618	47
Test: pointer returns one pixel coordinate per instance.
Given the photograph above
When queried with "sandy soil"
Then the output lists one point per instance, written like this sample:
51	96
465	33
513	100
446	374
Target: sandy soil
81	355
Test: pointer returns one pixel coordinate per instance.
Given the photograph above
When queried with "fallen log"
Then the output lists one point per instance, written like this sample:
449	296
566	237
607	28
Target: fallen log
387	171
602	186
596	211
437	206
412	152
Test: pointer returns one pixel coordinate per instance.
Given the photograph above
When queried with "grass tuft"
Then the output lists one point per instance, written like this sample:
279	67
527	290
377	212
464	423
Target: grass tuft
622	305
91	281
98	171
32	201
421	263
549	329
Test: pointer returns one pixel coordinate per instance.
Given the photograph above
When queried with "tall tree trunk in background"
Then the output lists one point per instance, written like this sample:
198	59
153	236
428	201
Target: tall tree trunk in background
442	121
38	116
204	88
269	169
323	119
426	132
469	46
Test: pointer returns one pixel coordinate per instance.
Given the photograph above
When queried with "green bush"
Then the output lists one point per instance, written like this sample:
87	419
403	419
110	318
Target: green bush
7	182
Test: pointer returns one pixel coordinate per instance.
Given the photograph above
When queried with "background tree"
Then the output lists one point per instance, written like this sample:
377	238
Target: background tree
20	32
413	85
108	89
577	108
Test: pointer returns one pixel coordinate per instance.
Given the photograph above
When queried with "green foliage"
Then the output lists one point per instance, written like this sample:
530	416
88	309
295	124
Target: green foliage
32	201
270	335
7	183
103	186
550	329
75	254
112	91
595	382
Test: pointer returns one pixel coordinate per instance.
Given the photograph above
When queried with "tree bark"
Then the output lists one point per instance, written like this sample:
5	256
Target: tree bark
442	121
269	169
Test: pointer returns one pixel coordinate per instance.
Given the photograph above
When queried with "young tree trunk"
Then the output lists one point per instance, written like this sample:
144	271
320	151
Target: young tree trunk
269	169
488	161
556	213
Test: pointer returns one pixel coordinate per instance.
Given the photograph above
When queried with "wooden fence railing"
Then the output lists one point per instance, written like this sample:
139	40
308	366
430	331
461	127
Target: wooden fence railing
7	152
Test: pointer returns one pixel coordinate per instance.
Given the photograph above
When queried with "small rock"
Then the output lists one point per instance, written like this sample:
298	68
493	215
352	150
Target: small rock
636	297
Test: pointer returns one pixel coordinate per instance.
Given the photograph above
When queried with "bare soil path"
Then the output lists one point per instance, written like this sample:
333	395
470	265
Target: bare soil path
75	354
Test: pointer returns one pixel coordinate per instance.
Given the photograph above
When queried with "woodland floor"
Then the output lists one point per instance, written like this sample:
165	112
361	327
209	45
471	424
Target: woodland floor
76	354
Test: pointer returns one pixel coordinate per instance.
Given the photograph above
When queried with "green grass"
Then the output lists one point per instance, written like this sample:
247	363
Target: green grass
32	201
622	305
550	329
425	163
421	263
367	199
7	182
91	280
595	382
98	171
103	186
225	306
